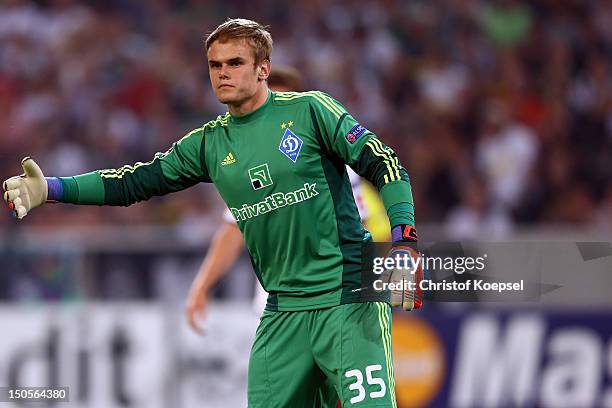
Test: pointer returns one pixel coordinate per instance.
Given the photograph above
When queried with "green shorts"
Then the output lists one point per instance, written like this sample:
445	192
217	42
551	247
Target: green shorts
314	358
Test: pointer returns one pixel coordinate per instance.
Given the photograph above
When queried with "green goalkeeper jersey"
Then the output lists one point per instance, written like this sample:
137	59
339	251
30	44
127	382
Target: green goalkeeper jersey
280	170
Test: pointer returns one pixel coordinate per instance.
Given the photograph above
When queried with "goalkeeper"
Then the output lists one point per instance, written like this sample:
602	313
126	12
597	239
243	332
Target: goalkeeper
228	241
278	161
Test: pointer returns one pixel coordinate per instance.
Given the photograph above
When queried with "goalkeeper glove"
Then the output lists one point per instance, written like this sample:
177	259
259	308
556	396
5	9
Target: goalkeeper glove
406	278
26	191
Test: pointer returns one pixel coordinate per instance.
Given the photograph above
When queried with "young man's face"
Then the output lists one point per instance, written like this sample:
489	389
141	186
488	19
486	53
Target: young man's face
233	73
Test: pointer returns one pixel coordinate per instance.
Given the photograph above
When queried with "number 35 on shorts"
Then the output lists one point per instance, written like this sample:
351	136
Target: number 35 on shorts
357	385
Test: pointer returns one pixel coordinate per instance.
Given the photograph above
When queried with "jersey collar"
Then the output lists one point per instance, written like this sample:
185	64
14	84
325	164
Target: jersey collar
251	116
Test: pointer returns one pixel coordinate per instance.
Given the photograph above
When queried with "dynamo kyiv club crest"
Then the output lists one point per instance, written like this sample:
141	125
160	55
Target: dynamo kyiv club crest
290	145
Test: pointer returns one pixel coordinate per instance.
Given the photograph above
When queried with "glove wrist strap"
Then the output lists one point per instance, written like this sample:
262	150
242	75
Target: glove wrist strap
55	189
404	233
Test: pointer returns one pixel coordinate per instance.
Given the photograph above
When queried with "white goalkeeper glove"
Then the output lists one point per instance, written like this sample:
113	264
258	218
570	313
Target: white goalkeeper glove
407	275
27	191
406	279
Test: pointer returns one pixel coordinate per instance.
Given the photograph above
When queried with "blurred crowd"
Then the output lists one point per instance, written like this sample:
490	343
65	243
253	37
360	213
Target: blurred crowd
501	110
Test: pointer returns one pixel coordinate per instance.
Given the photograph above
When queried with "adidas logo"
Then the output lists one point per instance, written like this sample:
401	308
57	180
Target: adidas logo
229	159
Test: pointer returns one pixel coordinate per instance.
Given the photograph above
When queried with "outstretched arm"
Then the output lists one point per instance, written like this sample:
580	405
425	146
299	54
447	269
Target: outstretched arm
180	167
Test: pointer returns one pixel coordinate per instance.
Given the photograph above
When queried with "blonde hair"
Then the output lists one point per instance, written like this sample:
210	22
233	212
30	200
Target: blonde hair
239	28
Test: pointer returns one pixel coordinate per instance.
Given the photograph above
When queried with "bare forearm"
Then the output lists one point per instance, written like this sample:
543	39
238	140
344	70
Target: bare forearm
222	254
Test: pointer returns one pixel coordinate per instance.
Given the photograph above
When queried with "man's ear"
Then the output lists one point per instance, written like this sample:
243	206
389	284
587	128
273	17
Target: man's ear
264	70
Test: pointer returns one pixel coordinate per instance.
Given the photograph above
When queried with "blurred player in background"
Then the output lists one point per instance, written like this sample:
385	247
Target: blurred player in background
228	243
278	160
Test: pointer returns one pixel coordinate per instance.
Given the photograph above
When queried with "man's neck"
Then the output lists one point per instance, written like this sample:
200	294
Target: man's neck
250	104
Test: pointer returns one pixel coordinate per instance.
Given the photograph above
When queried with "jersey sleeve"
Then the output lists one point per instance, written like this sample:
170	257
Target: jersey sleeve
228	217
180	167
340	132
359	148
